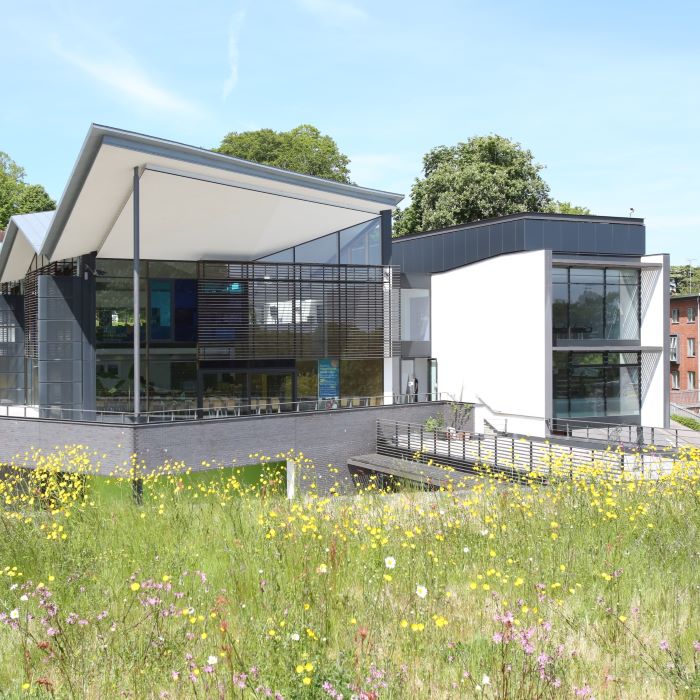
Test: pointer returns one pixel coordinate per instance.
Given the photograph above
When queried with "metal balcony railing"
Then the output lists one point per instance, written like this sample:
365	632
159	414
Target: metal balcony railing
212	408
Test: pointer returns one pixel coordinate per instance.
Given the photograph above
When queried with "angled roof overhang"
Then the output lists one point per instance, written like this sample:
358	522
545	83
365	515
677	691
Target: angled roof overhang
194	204
24	238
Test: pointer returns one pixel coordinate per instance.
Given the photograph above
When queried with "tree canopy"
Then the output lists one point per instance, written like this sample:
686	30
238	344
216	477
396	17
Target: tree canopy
16	195
303	149
685	279
485	176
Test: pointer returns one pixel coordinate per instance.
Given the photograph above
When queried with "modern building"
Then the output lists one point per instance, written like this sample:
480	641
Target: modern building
538	316
683	351
174	283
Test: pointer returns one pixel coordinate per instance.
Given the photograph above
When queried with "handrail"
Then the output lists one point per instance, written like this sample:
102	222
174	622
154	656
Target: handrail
215	407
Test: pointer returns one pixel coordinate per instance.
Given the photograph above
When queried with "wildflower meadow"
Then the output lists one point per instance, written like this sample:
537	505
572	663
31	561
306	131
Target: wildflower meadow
213	584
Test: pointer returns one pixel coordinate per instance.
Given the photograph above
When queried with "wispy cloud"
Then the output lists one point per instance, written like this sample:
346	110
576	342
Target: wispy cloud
336	11
122	74
233	56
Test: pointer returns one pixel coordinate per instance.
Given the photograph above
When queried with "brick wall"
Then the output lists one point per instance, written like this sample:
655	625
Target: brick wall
685	330
328	438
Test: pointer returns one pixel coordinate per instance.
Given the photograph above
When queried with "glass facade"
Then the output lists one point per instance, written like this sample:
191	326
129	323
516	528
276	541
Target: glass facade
357	245
598	384
415	314
241	336
590	305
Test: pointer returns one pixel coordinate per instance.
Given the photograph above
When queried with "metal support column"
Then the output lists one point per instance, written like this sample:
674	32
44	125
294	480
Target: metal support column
137	299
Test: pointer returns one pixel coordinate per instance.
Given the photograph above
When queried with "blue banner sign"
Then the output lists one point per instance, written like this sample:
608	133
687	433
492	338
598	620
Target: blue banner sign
328	379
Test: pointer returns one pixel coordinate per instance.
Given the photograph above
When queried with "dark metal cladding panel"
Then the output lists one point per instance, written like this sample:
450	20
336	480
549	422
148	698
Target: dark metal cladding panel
551	231
534	234
510	238
569	236
471	246
459	248
437	250
603	236
483	248
520	235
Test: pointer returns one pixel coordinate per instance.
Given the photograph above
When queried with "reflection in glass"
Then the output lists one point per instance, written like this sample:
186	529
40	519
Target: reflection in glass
588	385
361	378
361	244
415	314
323	251
595	304
114	321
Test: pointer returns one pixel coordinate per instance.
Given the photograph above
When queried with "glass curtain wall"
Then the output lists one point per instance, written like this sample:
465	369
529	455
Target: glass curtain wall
168	335
595	304
357	245
595	385
238	334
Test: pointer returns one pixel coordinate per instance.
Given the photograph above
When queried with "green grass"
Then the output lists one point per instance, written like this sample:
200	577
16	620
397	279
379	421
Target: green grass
110	490
687	421
215	588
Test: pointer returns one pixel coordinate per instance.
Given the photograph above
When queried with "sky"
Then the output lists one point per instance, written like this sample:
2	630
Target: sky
605	93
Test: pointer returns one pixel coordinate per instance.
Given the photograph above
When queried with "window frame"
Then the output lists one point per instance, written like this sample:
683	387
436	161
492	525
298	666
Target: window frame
675	380
692	380
673	348
691	347
675	316
692	312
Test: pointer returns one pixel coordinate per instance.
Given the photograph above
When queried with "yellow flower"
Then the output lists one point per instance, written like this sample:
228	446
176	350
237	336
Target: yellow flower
518	581
306	680
299	668
622	618
404	624
134	586
308	667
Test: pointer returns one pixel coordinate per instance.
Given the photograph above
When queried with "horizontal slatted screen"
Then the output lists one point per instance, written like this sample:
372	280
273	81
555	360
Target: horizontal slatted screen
259	310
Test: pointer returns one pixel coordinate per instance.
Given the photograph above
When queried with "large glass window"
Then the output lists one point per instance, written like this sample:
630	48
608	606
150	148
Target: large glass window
361	378
361	244
589	385
323	251
415	314
115	310
593	304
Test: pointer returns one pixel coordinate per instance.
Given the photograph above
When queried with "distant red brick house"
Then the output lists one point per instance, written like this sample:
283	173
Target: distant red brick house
684	348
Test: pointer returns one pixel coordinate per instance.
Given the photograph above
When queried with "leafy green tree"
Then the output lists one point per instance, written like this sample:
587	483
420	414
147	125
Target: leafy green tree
16	195
303	149
555	207
484	177
685	279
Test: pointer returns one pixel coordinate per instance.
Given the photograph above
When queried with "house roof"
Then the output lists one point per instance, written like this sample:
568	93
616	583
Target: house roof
194	204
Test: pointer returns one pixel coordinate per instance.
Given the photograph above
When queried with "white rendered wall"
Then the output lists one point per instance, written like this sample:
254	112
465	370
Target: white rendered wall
655	334
491	334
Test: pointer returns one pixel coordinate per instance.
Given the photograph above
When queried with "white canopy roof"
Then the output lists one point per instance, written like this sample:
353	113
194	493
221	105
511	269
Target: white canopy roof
194	204
25	237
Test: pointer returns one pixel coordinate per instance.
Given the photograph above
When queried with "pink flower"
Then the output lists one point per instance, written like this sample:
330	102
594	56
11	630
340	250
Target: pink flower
696	645
664	645
497	638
